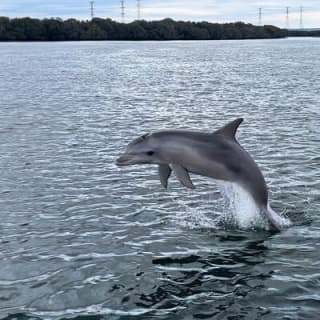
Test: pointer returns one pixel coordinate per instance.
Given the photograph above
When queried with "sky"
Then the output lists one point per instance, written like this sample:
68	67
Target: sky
273	12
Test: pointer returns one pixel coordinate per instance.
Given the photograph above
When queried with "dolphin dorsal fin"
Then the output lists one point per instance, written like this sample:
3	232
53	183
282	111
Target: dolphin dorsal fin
230	129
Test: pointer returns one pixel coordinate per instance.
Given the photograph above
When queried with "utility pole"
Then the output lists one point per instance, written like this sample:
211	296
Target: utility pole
301	17
260	16
122	7
287	18
91	9
139	9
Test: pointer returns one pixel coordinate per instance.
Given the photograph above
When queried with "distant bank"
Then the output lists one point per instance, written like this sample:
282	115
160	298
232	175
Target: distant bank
312	32
55	29
28	29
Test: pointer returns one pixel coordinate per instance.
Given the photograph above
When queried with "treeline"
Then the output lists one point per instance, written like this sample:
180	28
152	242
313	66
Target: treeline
304	33
55	29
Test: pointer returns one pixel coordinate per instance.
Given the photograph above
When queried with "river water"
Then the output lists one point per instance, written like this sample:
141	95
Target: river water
83	239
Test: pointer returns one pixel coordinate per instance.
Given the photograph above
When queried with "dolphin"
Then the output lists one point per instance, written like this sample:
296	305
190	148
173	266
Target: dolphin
216	155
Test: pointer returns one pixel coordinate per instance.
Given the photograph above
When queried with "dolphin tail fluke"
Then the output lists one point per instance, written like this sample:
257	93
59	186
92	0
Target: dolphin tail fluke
276	221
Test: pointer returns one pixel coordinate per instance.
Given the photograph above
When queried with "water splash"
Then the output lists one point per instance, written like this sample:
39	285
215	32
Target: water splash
194	218
282	221
241	211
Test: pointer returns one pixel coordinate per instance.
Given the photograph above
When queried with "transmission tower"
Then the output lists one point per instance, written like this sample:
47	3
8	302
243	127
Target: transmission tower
260	16
287	18
301	18
91	9
139	9
122	7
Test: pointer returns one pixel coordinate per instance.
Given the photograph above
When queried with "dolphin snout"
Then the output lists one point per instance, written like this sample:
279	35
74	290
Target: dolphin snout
123	160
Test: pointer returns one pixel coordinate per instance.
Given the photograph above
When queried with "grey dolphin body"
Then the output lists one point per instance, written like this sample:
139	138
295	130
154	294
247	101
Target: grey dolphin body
217	155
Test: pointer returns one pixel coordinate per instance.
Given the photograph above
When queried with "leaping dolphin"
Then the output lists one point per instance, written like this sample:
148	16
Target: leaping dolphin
217	155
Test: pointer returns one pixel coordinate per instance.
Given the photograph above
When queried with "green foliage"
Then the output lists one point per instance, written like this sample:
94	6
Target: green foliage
55	29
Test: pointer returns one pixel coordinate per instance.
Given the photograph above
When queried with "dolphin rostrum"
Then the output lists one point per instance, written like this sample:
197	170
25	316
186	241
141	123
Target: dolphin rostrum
217	155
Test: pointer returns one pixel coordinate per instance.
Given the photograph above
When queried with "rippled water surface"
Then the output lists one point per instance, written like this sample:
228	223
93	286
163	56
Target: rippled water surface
82	239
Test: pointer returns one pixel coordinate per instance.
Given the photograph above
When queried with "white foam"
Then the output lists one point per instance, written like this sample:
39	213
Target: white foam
240	210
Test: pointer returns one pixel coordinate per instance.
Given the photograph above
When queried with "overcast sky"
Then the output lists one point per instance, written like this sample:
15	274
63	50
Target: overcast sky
273	12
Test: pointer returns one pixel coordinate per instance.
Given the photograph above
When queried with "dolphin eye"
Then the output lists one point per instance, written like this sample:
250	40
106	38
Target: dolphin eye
150	153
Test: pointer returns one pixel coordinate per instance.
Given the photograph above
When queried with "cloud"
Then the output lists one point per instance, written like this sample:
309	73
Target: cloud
273	12
187	13
309	19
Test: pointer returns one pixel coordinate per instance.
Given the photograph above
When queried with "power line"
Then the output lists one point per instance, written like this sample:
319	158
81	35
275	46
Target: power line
122	7
301	17
262	12
287	18
260	16
91	9
139	9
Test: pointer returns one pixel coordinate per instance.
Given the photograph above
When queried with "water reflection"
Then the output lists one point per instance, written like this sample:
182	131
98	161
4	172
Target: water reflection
209	278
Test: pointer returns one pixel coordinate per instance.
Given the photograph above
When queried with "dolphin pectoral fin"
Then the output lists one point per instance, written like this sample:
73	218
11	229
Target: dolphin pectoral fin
230	129
183	176
164	173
